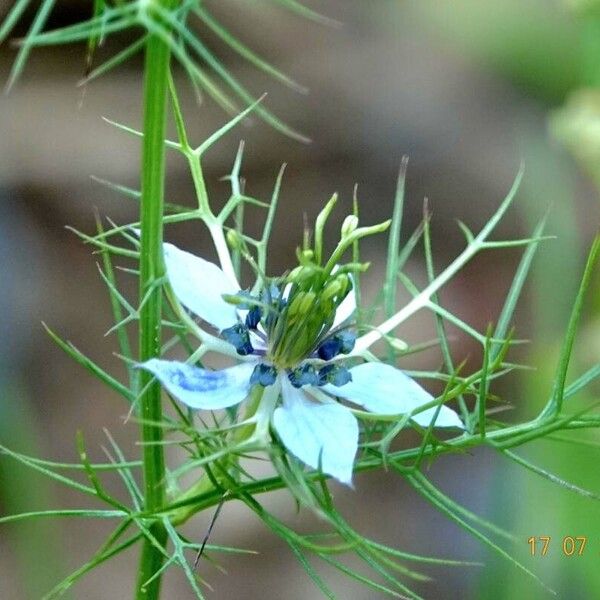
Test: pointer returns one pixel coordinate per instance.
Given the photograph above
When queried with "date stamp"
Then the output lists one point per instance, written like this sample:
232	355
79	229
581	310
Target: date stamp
569	545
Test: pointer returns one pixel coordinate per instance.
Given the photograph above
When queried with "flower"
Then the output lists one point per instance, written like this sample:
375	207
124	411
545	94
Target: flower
292	339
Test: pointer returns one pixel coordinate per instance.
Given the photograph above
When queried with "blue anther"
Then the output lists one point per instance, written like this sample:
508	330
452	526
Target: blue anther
239	337
347	338
270	294
304	375
330	348
339	343
263	374
253	317
334	374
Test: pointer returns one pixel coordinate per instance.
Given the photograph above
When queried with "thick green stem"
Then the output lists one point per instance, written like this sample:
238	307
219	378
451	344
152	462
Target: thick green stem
153	178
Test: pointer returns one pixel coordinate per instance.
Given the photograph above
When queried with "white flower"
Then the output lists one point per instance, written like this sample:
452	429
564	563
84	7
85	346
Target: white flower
310	421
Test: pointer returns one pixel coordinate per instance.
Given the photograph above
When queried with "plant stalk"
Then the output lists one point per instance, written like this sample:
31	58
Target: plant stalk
156	73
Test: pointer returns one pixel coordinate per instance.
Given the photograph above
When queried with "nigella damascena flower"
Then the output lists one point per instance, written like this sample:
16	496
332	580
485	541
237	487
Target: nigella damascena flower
292	337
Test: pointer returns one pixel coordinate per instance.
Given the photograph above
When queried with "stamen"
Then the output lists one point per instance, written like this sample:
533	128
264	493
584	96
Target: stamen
253	317
340	343
264	375
330	348
347	338
239	337
335	375
304	375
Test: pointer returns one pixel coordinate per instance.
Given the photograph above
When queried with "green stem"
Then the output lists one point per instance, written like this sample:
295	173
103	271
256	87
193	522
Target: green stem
156	72
206	498
204	485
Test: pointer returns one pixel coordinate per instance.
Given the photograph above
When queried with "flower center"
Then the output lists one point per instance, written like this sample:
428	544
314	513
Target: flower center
299	322
290	322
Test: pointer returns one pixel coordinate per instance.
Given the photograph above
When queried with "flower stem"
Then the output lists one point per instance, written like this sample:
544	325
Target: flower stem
156	73
259	405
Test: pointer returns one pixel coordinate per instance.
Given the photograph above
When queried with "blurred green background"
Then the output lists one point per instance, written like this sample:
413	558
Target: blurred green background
468	89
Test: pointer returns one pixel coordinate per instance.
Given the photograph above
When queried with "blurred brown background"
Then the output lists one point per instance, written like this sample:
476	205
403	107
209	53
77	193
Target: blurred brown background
427	79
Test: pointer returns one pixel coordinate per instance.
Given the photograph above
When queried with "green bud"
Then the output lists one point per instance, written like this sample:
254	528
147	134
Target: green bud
294	307
354	268
234	239
397	344
335	288
345	281
299	345
320	225
305	257
294	274
301	305
302	274
306	303
331	290
349	225
234	299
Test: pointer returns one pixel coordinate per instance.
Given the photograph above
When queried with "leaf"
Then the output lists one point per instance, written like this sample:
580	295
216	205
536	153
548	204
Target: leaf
517	284
117	60
389	286
311	572
550	476
42	469
245	52
97	560
37	25
435	497
554	405
79	513
12	18
90	365
208	57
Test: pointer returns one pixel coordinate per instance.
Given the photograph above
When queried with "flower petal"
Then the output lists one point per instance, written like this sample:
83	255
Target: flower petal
200	388
199	285
320	435
257	341
345	310
383	389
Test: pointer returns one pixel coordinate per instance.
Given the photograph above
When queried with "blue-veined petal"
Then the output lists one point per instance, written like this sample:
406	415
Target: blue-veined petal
200	388
199	285
320	435
383	389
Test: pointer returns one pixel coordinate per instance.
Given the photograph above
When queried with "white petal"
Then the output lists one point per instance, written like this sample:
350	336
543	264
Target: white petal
257	341
348	306
320	435
345	310
383	389
200	388
286	291
199	285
